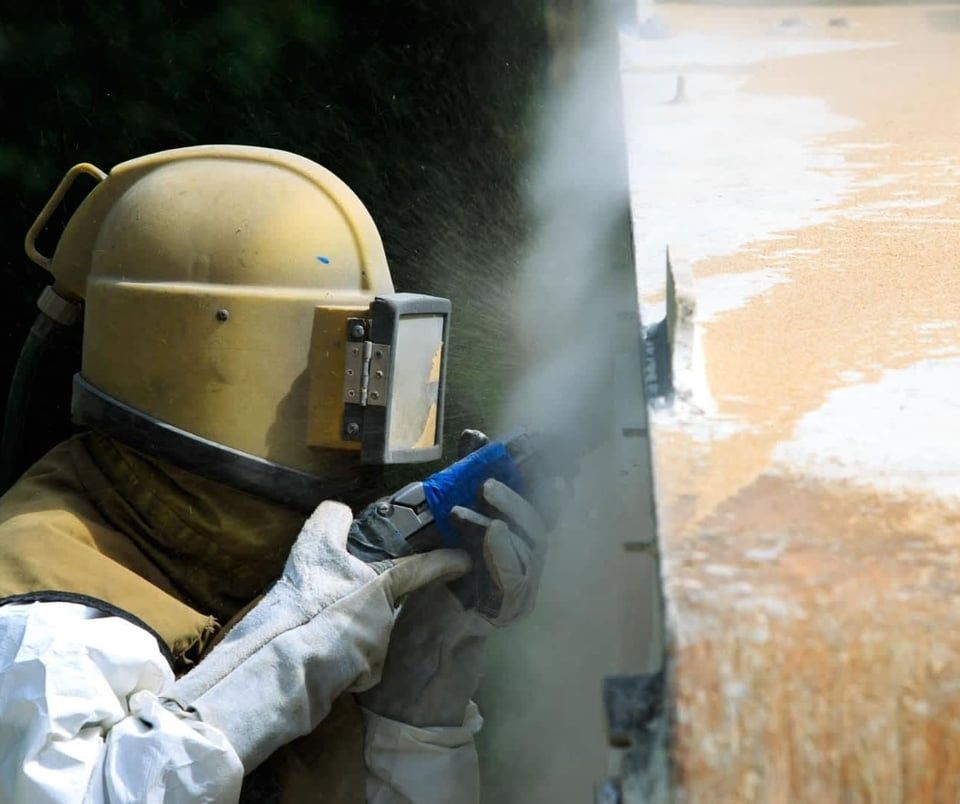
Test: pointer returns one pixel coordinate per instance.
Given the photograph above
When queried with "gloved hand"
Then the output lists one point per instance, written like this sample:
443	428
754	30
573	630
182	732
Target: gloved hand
322	629
433	666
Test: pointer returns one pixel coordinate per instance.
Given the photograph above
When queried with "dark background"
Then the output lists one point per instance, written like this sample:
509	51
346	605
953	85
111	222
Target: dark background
424	108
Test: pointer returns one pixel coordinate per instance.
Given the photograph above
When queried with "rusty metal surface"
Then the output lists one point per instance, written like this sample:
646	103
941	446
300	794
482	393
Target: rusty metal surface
809	493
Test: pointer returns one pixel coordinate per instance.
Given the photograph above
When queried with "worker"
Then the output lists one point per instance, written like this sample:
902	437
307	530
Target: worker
180	617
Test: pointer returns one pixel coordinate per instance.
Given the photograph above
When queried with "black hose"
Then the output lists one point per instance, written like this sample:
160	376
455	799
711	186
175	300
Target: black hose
39	339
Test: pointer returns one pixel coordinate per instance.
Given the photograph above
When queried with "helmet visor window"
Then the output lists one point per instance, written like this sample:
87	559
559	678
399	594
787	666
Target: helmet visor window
414	402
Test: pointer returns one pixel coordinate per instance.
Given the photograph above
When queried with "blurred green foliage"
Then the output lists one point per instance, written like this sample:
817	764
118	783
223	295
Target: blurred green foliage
424	107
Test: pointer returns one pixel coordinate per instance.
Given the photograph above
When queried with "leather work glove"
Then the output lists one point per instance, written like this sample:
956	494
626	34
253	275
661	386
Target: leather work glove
434	663
322	629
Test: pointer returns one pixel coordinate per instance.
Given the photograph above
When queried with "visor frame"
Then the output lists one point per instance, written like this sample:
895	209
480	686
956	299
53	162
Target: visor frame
385	314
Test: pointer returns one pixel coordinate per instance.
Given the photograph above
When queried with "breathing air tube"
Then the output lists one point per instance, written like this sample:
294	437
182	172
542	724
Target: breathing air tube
43	335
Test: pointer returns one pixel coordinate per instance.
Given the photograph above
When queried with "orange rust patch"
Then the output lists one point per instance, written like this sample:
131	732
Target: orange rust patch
824	660
814	625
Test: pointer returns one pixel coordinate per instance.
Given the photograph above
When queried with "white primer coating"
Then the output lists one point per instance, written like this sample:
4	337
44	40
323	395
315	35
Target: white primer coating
717	50
724	168
702	182
724	292
897	435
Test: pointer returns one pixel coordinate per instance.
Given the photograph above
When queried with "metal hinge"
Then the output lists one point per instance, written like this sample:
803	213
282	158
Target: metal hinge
366	367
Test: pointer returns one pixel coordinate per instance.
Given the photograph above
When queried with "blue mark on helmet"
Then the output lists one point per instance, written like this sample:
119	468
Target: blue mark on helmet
324	260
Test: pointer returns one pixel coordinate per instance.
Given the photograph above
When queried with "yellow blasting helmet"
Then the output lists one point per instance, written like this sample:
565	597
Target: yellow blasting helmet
240	320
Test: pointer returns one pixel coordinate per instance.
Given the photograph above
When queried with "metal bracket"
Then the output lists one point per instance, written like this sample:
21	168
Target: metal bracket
366	373
356	360
377	375
637	729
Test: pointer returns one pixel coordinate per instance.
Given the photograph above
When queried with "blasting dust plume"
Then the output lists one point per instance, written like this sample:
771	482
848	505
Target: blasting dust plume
545	738
564	300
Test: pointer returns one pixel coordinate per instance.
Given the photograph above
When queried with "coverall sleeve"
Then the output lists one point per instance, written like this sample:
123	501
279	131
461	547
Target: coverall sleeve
431	765
82	717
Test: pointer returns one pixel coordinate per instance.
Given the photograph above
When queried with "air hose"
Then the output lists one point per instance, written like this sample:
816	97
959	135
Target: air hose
38	341
53	324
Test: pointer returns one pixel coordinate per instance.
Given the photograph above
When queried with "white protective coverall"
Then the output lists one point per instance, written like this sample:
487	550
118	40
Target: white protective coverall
83	719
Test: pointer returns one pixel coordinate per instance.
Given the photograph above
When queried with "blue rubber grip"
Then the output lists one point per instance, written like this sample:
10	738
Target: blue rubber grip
460	484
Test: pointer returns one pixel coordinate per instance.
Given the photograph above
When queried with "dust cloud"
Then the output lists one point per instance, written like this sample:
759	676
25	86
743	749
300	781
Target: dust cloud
544	738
